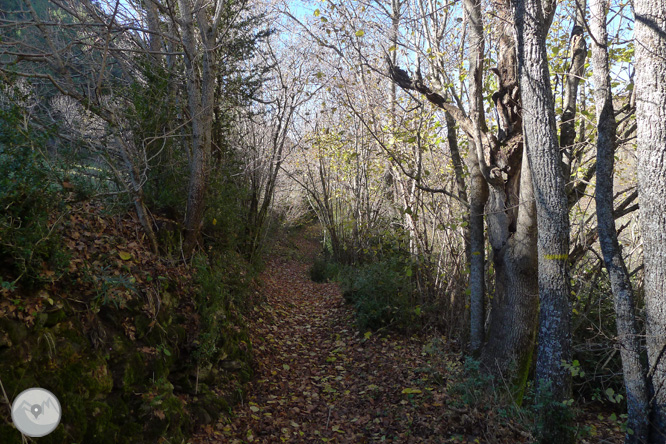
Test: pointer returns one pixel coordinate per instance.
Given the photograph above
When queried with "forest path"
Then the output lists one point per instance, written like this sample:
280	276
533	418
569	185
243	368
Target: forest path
318	379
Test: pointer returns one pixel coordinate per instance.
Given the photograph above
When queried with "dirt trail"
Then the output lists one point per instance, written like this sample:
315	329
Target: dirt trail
318	379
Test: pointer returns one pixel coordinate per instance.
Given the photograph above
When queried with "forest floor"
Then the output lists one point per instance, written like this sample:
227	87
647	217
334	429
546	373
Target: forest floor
319	379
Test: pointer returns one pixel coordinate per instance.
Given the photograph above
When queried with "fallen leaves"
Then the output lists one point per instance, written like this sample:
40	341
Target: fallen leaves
318	379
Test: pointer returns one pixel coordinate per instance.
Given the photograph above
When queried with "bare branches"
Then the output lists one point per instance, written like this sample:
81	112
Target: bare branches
402	78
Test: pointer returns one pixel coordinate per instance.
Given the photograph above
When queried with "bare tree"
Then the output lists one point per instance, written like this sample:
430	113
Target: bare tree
79	58
501	190
199	26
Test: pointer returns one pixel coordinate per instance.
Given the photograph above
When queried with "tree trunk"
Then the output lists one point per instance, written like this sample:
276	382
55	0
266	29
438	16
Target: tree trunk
554	343
478	194
577	55
511	220
650	37
512	330
478	188
200	85
627	332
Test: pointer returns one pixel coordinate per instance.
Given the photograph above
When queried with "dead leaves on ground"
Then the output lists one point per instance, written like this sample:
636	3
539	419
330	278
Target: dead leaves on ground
318	379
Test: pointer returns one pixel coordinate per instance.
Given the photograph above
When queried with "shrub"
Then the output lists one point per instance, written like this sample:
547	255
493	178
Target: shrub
223	291
31	201
382	293
323	270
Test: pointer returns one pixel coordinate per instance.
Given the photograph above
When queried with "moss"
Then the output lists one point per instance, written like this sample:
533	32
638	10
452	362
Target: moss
103	430
142	325
116	391
16	331
134	372
162	412
55	317
9	434
524	365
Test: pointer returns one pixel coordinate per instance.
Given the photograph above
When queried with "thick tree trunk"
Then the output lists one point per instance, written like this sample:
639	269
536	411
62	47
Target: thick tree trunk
627	332
650	37
511	220
554	343
478	194
512	330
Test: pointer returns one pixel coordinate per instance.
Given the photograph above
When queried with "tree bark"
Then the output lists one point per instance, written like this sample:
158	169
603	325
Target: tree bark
200	85
577	55
511	220
478	187
531	20
627	331
650	44
515	305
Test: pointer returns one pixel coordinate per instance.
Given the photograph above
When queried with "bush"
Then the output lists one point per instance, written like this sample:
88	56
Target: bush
31	200
223	291
382	293
324	270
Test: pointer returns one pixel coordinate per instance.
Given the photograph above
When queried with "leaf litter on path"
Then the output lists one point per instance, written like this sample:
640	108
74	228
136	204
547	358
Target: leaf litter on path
319	379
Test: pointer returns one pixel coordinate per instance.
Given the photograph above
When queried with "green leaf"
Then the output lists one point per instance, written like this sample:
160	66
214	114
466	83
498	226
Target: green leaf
254	408
411	391
360	33
316	12
285	366
124	255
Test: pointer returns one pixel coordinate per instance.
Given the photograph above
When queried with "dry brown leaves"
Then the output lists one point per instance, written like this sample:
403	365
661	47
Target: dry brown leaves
318	379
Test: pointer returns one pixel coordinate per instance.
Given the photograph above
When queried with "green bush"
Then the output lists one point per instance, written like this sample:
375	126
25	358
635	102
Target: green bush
324	270
383	294
223	290
31	201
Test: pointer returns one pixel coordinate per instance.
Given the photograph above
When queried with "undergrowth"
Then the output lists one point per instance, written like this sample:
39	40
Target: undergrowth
32	205
382	292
